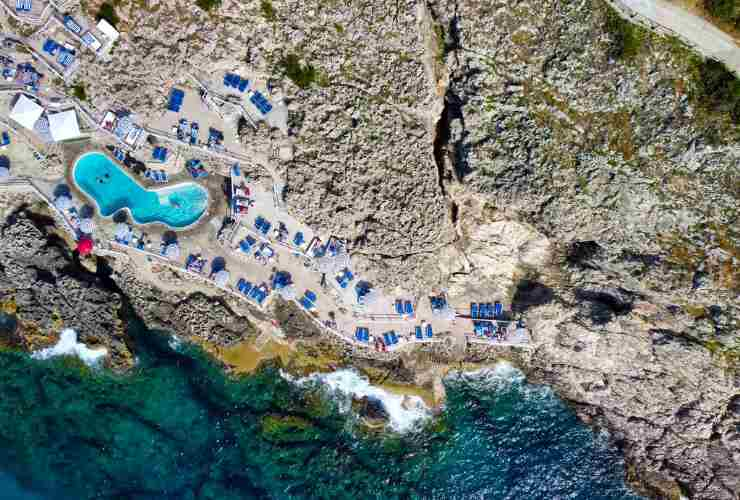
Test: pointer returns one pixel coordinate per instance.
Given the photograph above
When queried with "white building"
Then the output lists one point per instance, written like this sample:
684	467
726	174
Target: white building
64	126
109	31
26	112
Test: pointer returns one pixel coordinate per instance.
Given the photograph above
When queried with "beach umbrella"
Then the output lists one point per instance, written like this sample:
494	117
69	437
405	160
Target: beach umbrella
63	203
4	173
221	277
87	226
85	246
371	297
122	231
287	292
172	251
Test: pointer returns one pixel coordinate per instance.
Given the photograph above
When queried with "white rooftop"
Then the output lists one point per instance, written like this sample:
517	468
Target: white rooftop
26	112
108	30
64	125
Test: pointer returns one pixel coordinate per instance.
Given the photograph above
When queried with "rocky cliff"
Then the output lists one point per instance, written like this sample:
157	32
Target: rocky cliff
544	152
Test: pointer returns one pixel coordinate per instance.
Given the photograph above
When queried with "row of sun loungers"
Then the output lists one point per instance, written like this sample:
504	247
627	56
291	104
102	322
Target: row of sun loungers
260	102
158	176
253	292
23	5
362	334
235	81
195	168
176	98
195	263
262	225
160	154
404	307
390	338
420	335
486	310
344	278
308	301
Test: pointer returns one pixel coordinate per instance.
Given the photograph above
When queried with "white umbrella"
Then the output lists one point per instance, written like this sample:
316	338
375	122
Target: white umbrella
4	173
122	231
287	292
370	297
63	203
172	251
87	226
221	277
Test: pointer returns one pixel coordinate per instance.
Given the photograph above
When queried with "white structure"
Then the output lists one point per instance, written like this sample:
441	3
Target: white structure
109	31
63	126
26	112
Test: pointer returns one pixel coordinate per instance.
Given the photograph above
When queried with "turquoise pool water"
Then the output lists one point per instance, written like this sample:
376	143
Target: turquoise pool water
113	189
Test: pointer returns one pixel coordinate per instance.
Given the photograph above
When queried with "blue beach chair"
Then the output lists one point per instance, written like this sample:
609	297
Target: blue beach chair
417	332
429	330
474	310
408	307
499	309
399	307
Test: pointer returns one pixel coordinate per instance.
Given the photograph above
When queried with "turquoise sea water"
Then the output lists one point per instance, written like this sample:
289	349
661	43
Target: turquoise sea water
113	189
177	428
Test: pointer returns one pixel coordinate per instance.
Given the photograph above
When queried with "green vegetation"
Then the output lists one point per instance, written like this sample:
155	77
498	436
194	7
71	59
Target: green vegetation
208	5
303	75
628	39
339	28
724	10
715	87
107	11
439	35
268	11
79	92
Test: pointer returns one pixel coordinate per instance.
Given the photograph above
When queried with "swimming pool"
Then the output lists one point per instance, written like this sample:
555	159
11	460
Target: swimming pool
113	189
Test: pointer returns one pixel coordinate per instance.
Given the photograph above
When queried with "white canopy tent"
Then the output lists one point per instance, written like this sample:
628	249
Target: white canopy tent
172	251
63	126
26	112
63	202
221	277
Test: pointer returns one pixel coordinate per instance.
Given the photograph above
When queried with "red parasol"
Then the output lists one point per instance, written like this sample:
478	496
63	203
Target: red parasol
85	246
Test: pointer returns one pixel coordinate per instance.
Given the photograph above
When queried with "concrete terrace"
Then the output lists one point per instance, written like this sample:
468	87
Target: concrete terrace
213	104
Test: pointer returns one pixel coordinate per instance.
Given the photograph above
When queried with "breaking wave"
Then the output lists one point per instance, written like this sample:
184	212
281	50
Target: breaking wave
68	346
404	412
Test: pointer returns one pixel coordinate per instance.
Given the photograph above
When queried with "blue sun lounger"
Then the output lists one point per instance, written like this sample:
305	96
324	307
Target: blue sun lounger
408	307
474	310
417	332
399	307
243	84
499	309
298	239
429	330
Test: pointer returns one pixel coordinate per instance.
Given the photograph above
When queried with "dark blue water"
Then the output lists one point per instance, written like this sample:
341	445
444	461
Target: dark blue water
178	428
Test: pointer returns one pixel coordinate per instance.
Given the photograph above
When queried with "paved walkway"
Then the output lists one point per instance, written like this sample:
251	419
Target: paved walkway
704	37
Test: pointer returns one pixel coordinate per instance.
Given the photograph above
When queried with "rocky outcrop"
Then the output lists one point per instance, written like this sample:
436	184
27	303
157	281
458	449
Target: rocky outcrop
43	288
627	271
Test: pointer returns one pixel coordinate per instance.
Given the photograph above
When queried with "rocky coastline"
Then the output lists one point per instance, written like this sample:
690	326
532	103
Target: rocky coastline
519	154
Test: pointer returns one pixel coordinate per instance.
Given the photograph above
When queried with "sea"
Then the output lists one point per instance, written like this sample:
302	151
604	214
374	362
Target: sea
178	427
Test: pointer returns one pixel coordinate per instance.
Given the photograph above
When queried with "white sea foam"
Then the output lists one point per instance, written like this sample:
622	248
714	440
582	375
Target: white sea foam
404	412
69	346
502	377
175	342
